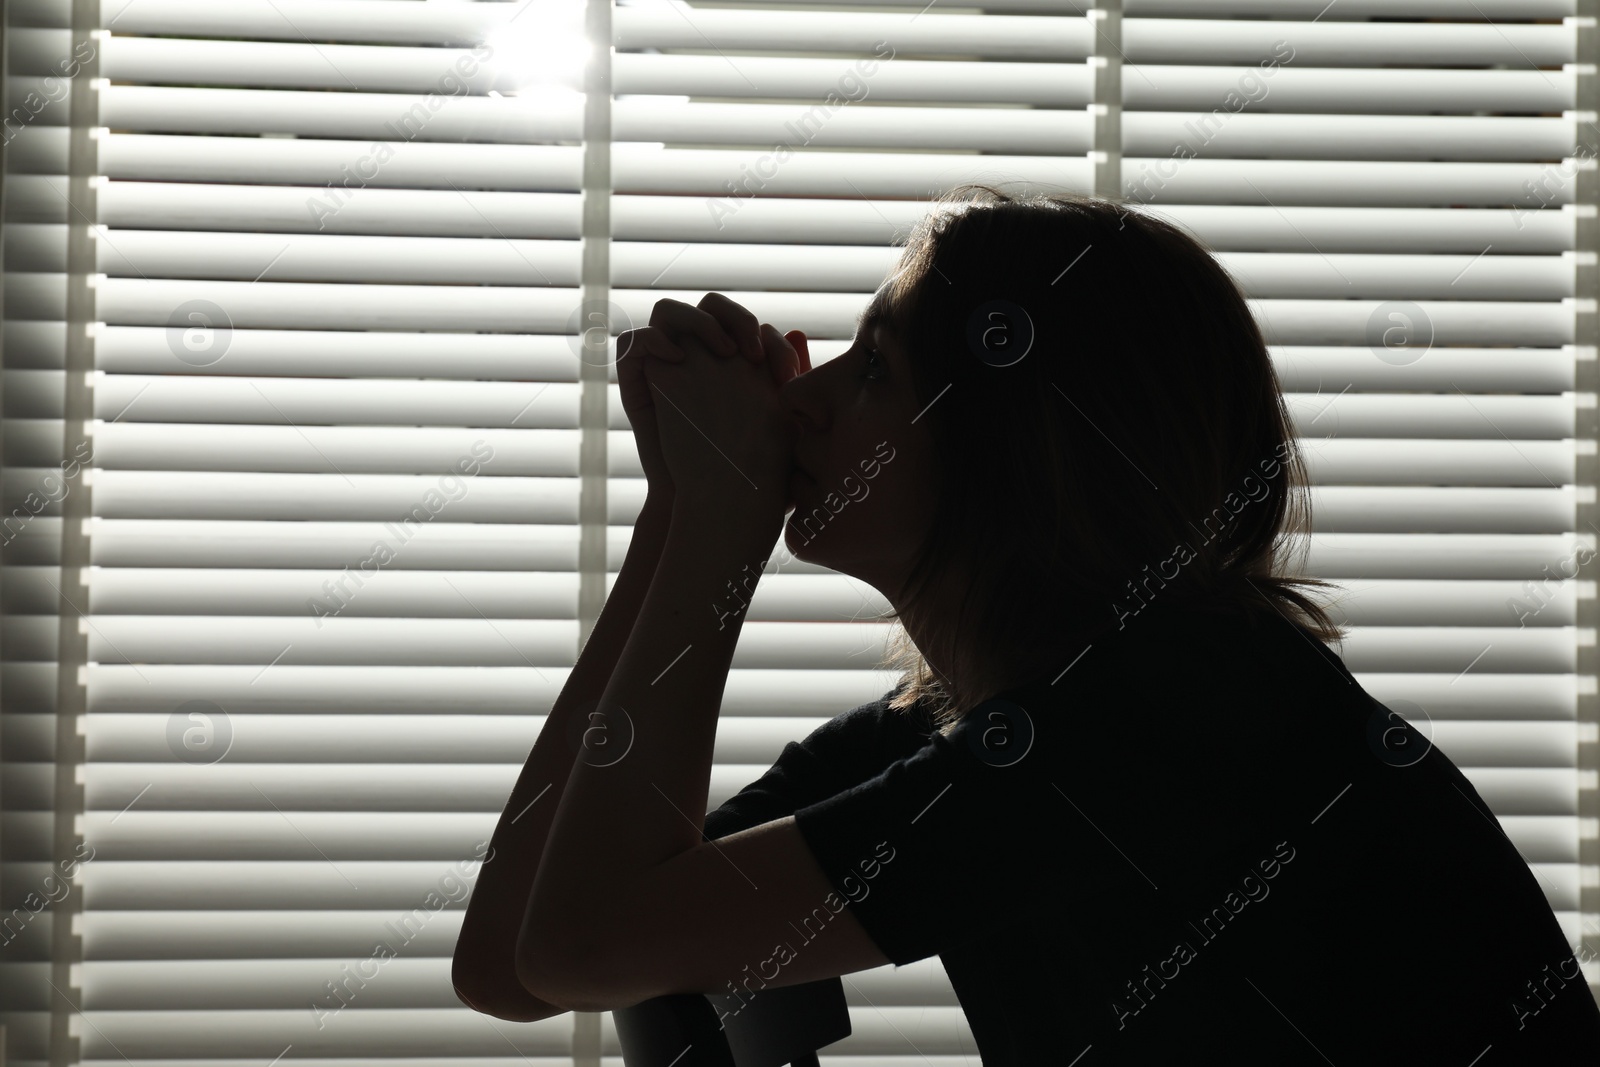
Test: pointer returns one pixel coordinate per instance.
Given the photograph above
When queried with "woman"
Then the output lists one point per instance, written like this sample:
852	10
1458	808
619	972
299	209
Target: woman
1124	790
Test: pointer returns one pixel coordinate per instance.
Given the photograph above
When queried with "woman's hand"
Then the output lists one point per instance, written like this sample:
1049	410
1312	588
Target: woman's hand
726	329
725	432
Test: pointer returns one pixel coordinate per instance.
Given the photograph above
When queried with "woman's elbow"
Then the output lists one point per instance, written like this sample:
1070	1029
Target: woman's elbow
507	1000
527	1009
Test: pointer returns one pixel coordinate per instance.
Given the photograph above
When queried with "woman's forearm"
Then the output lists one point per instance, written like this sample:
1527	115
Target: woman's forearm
484	968
619	820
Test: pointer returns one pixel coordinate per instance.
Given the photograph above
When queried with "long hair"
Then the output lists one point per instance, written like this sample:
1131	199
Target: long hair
1104	412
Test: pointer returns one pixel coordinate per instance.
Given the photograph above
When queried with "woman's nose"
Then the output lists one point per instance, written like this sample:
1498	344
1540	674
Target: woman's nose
805	399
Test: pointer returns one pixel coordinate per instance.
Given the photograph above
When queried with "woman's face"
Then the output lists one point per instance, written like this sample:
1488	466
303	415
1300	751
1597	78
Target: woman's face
866	495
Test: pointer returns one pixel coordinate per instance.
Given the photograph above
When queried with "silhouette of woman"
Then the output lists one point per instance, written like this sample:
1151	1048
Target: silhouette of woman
1123	788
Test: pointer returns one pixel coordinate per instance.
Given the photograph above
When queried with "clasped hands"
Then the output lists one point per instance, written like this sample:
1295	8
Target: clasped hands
701	386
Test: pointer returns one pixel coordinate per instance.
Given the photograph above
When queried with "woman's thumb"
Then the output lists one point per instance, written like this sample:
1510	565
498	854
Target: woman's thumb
797	339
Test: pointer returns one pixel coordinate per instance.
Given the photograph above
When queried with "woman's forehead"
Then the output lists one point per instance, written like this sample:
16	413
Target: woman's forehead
876	313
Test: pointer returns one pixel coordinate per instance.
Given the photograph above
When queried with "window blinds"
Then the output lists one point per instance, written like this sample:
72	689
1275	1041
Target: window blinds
354	496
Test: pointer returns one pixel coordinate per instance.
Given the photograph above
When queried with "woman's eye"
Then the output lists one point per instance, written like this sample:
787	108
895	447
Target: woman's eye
875	365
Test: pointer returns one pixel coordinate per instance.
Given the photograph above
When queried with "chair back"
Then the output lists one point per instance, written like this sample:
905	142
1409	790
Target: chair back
676	1030
784	1025
773	1027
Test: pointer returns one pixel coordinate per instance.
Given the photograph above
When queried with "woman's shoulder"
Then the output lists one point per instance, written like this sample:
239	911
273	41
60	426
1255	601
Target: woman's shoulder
868	737
897	731
1167	639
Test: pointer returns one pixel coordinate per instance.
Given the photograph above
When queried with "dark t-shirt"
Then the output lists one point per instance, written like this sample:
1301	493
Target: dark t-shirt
1200	840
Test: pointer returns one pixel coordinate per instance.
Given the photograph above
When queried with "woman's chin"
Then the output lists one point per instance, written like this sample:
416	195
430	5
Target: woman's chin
793	540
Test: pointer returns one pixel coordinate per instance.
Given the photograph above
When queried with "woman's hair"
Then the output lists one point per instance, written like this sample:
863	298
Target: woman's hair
1142	432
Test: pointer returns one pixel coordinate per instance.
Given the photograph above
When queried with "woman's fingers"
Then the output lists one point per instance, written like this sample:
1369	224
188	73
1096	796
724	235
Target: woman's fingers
725	327
780	355
797	341
630	372
674	318
647	340
737	321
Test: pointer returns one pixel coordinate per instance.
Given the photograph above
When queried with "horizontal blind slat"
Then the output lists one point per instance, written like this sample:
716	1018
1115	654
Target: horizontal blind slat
518	690
287	688
776	645
505	261
232	543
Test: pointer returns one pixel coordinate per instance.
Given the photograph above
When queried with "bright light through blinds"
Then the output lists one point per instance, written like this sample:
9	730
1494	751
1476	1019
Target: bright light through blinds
543	53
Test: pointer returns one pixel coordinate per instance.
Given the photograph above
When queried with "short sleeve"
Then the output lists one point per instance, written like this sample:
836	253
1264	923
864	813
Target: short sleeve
950	842
845	750
796	778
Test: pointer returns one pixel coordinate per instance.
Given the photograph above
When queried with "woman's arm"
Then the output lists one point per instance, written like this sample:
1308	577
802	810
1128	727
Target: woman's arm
620	820
484	967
